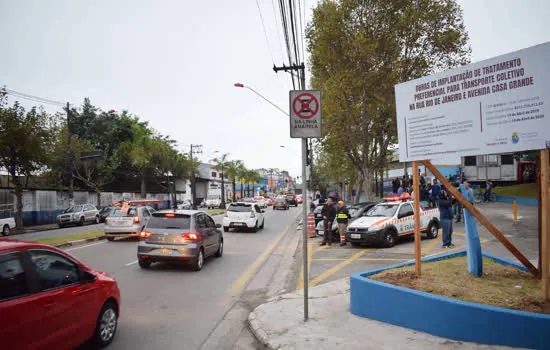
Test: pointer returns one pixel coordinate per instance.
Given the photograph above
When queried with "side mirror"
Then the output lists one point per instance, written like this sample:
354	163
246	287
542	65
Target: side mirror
88	277
218	225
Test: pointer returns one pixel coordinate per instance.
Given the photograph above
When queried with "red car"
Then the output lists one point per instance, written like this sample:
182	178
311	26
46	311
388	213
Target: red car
50	300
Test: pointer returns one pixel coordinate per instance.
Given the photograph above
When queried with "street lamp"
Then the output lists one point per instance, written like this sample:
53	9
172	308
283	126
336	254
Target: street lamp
240	85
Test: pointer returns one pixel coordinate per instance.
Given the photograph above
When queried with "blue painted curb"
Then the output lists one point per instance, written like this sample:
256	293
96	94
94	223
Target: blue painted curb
446	317
518	200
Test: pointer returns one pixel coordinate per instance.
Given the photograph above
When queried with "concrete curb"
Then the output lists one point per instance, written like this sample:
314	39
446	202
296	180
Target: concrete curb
80	241
253	324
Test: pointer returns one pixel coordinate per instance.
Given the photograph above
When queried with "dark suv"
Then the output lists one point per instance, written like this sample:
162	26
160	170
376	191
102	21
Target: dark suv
291	200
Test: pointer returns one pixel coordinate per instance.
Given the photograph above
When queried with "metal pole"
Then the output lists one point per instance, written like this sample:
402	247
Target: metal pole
70	157
304	227
304	212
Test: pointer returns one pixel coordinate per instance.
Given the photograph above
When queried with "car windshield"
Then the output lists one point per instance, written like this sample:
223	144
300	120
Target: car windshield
354	211
280	200
119	213
385	210
178	222
239	207
75	209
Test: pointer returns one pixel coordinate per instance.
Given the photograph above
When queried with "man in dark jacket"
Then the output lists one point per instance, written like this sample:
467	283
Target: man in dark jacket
329	213
342	217
446	216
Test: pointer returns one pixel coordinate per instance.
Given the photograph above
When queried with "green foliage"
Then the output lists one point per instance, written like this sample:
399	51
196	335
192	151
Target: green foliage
359	50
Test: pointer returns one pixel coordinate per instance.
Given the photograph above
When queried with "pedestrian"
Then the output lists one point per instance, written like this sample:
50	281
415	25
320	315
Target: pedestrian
458	207
400	190
342	217
446	217
463	177
434	197
470	192
329	213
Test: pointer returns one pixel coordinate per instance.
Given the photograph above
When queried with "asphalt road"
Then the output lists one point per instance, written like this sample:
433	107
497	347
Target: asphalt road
58	232
170	306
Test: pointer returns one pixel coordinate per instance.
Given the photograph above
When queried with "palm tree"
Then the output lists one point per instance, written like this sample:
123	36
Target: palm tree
253	178
242	178
221	164
232	172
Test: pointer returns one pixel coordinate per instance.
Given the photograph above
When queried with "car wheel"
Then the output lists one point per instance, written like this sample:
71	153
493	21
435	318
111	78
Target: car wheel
219	253
110	239
144	263
97	220
6	230
255	229
356	245
198	261
81	221
389	239
225	229
61	225
433	230
263	223
106	325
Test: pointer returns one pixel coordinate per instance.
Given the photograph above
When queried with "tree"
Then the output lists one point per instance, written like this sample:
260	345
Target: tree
359	50
220	164
233	171
252	178
25	141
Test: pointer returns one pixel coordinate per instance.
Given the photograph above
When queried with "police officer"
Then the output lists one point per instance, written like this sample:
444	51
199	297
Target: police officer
342	216
329	213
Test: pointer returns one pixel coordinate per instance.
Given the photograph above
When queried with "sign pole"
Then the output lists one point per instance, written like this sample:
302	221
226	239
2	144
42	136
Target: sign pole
304	227
417	236
545	225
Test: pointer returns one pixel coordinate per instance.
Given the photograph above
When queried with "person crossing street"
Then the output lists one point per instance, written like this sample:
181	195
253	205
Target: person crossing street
342	217
329	213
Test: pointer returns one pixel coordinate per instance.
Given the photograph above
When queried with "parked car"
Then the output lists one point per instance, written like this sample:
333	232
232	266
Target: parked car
185	204
317	214
179	235
299	199
280	203
105	212
51	300
243	215
7	225
78	215
291	199
386	222
127	224
261	203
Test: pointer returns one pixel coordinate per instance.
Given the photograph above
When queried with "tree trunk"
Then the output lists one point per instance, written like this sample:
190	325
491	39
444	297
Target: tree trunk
98	194
242	190
18	205
234	189
359	189
223	193
143	186
368	185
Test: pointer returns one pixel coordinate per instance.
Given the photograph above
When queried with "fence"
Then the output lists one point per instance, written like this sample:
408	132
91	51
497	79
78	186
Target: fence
41	207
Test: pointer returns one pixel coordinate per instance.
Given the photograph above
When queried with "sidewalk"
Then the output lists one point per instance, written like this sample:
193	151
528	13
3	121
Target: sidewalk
279	324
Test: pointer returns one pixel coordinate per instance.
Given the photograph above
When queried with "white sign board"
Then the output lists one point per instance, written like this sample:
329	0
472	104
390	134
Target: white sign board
493	106
305	114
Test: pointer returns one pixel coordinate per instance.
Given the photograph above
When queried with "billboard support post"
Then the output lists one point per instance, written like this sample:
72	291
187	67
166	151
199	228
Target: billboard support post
545	225
417	236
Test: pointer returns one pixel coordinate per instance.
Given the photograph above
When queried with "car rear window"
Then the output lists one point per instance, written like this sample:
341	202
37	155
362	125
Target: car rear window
176	222
241	208
130	212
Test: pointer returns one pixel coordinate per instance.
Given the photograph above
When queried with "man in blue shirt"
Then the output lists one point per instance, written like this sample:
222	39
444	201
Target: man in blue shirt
469	192
436	190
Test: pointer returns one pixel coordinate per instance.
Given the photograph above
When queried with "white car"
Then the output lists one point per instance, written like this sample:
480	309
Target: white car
6	225
213	201
386	222
243	215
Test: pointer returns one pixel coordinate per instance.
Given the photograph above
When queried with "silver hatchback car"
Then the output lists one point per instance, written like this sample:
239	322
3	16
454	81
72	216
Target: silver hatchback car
179	235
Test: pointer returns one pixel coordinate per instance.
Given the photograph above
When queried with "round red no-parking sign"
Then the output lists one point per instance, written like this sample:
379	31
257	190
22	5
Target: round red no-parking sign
305	106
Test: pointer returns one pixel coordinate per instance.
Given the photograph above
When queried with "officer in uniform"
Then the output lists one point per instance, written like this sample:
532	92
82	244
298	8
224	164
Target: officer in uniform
342	217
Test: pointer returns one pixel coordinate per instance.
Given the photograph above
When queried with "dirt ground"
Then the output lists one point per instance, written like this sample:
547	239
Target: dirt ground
504	286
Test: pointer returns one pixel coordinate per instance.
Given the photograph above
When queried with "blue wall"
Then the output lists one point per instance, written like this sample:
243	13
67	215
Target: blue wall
446	317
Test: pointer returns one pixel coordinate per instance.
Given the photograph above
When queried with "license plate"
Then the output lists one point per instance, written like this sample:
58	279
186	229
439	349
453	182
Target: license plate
165	251
355	235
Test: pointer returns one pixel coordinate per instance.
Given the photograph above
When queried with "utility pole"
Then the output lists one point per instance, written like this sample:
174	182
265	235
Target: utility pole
69	158
301	69
197	150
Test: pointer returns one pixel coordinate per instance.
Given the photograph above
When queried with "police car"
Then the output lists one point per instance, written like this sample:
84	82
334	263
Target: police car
386	222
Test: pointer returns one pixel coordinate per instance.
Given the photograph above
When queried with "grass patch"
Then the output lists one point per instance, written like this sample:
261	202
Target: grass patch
504	286
69	238
215	211
523	190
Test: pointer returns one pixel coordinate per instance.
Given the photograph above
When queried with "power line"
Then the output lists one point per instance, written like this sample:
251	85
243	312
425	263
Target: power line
6	91
302	26
265	32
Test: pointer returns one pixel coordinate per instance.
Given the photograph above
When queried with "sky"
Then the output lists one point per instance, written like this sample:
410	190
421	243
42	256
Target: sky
174	63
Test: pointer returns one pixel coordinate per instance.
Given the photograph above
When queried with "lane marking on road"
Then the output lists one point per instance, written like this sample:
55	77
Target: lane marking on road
84	246
310	251
252	268
426	249
131	263
336	268
361	259
482	240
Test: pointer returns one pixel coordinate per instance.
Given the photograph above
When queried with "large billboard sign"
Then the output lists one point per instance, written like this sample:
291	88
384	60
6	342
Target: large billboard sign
493	106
